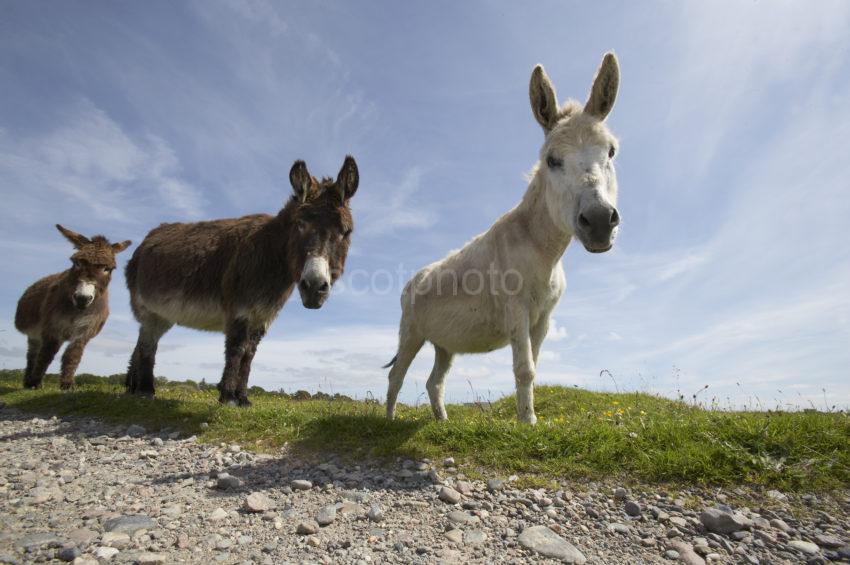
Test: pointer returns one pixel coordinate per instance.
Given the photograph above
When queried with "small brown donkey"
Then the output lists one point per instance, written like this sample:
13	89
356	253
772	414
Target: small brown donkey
69	306
235	275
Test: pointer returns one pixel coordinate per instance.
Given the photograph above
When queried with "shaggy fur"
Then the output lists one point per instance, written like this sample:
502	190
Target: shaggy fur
235	275
69	306
500	288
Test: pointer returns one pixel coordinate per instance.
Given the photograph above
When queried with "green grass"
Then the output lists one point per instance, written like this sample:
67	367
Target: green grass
629	437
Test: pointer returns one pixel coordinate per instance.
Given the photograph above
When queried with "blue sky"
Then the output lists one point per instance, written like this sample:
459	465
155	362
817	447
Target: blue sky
731	269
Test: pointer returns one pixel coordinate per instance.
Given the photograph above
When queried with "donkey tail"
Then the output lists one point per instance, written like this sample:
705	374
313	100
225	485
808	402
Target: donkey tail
391	363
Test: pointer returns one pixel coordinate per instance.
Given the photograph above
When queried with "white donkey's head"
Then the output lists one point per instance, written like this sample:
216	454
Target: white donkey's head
577	157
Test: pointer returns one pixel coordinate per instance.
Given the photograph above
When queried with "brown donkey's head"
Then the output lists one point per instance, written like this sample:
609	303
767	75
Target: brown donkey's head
321	225
93	263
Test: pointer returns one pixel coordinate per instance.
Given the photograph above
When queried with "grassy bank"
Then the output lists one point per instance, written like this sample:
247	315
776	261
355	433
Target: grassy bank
630	436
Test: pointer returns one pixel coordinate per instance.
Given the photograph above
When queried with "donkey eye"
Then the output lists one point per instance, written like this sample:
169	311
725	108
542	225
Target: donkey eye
108	270
554	163
347	234
611	152
301	225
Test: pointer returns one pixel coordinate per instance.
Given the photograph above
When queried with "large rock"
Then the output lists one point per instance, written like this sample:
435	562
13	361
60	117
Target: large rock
722	522
546	542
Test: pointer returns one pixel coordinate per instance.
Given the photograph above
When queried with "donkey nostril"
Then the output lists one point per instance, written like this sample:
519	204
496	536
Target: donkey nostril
303	285
583	222
615	218
324	287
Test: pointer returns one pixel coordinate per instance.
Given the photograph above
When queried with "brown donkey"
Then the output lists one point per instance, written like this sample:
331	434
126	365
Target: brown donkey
235	275
69	306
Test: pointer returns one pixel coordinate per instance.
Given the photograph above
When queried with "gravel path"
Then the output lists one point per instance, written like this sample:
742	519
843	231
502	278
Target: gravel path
82	491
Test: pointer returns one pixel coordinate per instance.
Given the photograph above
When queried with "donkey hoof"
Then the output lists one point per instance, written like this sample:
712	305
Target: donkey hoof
32	386
243	402
67	386
228	398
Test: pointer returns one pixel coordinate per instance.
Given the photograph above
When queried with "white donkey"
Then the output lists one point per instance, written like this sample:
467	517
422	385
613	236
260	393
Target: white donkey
502	286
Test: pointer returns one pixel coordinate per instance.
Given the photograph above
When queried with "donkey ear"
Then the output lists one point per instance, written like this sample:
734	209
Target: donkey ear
77	240
348	178
543	101
605	86
119	247
300	179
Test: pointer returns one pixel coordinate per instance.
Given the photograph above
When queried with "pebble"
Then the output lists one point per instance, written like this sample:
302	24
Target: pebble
301	484
136	431
633	508
376	513
495	485
258	502
307	528
449	495
106	553
806	547
326	515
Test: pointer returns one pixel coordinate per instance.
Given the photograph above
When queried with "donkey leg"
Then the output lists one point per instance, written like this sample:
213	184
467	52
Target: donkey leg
140	377
254	338
49	348
70	362
408	346
437	381
235	345
33	347
523	365
538	333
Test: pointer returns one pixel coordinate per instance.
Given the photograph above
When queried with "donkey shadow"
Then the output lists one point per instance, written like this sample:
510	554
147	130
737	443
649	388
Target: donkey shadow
354	450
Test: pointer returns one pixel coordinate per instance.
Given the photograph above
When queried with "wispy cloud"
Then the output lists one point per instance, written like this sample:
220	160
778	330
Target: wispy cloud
89	162
395	206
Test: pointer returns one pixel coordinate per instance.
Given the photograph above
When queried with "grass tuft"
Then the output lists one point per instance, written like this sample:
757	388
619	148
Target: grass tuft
630	437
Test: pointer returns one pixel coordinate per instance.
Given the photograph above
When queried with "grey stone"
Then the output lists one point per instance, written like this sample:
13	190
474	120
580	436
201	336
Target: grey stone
326	515
620	493
115	539
151	559
829	541
633	508
136	431
307	528
686	553
129	524
474	537
301	484
449	495
376	513
106	553
461	517
69	553
620	528
217	515
806	547
39	539
226	481
672	554
722	522
544	541
455	535
495	485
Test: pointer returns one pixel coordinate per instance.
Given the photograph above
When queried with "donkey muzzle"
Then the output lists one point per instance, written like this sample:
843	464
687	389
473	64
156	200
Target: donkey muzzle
84	295
315	283
596	226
